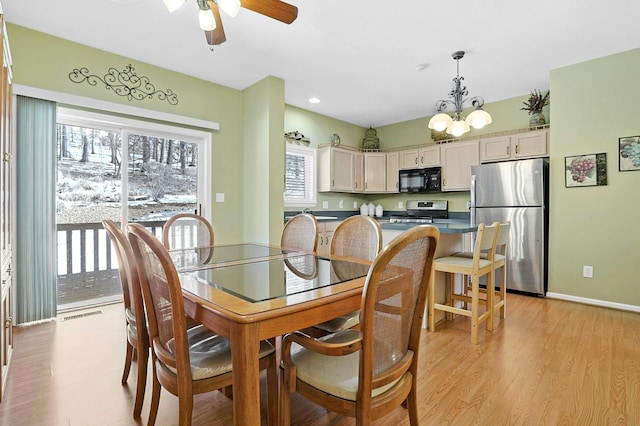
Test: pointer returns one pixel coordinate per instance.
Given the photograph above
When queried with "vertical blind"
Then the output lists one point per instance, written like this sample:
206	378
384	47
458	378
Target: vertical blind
35	250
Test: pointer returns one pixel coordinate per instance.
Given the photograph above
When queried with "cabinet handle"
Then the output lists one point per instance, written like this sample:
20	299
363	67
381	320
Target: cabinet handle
7	157
365	185
516	149
396	185
421	160
326	241
356	185
7	322
508	150
416	160
333	183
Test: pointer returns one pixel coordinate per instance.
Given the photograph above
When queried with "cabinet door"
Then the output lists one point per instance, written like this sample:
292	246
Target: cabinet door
457	159
392	172
495	149
531	144
375	172
429	156
408	159
358	172
341	170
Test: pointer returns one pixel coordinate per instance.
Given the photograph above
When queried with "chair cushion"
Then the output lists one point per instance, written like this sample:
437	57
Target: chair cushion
210	353
469	255
459	261
335	375
341	323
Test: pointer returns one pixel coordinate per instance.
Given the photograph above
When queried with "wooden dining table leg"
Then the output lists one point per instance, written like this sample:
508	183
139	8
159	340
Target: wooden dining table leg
245	345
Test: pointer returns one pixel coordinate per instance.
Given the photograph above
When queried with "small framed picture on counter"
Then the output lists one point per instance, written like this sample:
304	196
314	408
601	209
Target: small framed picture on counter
585	170
629	148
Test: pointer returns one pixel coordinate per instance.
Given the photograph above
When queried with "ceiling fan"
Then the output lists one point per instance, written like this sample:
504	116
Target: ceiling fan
211	22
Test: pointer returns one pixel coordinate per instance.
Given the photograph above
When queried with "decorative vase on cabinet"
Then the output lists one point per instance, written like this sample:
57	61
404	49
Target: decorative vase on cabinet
536	120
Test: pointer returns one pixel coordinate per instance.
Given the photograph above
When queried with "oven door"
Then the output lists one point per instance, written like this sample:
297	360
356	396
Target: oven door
412	180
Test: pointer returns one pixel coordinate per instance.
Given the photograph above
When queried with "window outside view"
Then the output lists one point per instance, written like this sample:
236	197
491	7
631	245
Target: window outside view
161	180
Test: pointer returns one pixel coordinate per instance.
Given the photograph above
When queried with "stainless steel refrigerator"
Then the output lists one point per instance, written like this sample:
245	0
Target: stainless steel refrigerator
517	191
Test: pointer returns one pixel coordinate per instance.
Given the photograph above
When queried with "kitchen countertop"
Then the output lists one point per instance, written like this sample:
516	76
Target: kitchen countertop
445	226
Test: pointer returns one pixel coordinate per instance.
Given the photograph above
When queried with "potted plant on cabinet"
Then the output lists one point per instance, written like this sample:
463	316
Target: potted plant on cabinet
537	100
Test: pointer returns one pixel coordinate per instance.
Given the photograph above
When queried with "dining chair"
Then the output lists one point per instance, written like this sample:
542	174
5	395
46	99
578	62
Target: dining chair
300	233
474	267
367	373
135	318
186	230
499	262
357	237
185	362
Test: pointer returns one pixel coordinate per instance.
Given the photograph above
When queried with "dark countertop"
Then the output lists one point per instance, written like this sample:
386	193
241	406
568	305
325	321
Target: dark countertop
445	226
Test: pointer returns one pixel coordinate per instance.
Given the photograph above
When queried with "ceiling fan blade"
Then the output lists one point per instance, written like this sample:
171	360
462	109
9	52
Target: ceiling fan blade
216	36
276	9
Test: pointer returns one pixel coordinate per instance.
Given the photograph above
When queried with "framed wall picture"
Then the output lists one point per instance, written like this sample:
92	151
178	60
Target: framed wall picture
629	153
585	170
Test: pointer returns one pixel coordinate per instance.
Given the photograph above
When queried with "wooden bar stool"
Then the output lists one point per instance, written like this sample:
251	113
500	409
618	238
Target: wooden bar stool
475	267
499	261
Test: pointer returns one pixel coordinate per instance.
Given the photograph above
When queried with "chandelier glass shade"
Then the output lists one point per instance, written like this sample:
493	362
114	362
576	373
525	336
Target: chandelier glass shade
206	18
458	125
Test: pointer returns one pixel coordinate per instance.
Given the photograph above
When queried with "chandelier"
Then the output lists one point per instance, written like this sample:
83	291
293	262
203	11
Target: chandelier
457	126
206	16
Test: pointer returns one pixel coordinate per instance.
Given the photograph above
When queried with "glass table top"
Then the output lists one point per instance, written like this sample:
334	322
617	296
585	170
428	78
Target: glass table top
195	257
270	279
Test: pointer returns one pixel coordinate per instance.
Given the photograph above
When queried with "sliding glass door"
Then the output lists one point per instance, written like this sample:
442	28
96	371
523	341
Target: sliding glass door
156	173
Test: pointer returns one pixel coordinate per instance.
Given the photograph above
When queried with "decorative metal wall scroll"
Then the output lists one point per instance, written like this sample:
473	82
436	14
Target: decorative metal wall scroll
124	83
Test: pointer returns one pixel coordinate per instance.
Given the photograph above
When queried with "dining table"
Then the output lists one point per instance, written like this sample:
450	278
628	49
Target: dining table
251	292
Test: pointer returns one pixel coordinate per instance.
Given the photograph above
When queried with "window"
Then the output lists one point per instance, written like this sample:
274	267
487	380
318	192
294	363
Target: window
299	176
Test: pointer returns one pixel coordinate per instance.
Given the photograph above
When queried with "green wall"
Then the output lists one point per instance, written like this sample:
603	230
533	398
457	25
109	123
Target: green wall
593	104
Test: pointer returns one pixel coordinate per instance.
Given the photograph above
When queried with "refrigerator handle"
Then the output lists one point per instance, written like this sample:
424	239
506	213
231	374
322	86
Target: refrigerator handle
473	200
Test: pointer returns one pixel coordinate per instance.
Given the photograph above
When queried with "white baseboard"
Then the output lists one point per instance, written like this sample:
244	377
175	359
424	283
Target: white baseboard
595	302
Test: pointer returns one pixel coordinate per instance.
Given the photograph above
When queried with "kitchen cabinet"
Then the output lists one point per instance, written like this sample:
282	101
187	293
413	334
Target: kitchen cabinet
325	233
419	158
518	146
6	206
358	172
335	169
457	159
375	172
392	172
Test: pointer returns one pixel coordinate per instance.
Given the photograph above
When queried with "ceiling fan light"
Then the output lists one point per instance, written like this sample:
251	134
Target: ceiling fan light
230	7
478	118
207	20
458	128
440	121
173	5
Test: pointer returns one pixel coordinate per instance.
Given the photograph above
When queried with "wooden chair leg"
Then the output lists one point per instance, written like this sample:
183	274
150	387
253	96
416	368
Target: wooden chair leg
491	291
412	402
128	358
155	398
285	402
185	406
431	301
503	292
143	358
475	302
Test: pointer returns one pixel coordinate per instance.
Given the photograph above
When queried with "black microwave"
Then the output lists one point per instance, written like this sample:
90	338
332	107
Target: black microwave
420	180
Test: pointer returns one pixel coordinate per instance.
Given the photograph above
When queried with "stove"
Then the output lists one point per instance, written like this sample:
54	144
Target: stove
422	212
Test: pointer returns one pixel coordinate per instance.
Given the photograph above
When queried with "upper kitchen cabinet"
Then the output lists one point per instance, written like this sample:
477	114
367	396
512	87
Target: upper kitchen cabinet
375	172
392	172
518	146
358	172
419	158
335	169
457	159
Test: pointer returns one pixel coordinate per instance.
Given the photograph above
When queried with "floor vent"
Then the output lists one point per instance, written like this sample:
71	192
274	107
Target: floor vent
86	314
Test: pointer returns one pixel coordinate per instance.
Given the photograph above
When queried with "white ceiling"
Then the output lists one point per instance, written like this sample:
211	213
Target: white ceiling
359	57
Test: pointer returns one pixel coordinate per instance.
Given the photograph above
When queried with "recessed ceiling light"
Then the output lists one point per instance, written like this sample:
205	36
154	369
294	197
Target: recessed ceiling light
314	100
421	67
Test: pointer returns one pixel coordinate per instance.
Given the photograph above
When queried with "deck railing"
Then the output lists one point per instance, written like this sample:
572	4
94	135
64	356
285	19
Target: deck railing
87	264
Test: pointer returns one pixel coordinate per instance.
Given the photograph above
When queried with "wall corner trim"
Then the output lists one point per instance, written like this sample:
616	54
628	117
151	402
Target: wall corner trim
594	302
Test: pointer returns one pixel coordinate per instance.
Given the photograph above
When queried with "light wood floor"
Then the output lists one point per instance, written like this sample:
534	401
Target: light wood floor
551	362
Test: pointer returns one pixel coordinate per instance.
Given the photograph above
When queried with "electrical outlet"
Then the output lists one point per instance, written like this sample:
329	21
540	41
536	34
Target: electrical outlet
341	204
399	204
587	271
219	197
355	204
325	204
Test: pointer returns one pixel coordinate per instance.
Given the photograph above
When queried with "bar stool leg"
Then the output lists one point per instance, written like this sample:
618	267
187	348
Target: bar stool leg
475	295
